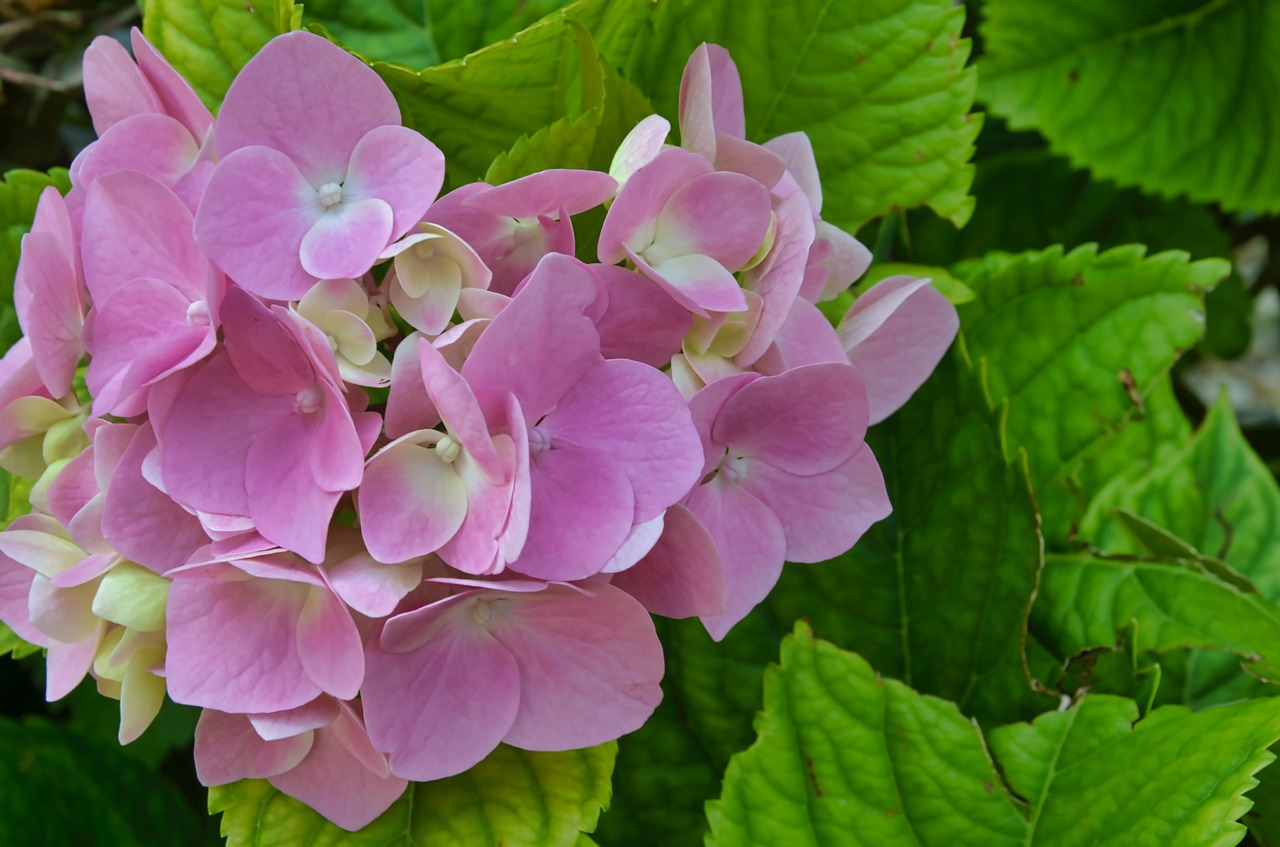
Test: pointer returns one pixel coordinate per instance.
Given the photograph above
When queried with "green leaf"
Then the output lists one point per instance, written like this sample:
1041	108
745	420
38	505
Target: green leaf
479	107
13	645
514	797
1175	779
1074	341
209	41
881	87
388	30
1176	98
1093	600
462	28
19	193
846	758
60	788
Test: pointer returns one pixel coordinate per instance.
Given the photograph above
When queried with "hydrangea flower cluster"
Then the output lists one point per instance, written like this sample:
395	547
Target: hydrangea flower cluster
380	480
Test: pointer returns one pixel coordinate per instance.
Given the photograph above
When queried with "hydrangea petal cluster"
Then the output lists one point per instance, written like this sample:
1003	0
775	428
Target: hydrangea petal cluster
380	481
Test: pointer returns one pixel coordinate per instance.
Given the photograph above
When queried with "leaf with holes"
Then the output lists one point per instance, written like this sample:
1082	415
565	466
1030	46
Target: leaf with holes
1175	98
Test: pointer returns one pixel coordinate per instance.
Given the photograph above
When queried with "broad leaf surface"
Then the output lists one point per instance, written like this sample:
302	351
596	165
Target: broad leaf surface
1177	98
1073	341
514	797
209	41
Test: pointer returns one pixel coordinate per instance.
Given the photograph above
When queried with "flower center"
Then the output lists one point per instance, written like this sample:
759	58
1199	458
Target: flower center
733	468
448	449
308	400
482	612
539	440
330	194
198	314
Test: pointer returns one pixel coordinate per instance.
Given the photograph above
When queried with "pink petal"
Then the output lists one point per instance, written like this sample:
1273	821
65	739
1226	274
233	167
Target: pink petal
67	664
805	338
633	217
540	345
443	707
682	576
641	321
836	261
256	210
400	167
371	588
232	642
15	589
895	334
705	407
65	614
330	646
477	546
641	146
262	348
639	542
408	406
141	521
227	750
307	98
272	726
805	421
721	215
347	239
114	88
55	317
546	193
152	144
73	487
778	278
581	509
632	416
589	666
411	502
796	151
751	544
205	440
452	396
749	159
697	282
710	99
332	781
823	515
177	98
135	227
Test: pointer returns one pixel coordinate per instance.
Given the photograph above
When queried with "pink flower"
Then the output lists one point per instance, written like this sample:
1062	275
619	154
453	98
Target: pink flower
317	176
155	295
48	294
263	430
788	476
537	666
117	89
512	226
318	753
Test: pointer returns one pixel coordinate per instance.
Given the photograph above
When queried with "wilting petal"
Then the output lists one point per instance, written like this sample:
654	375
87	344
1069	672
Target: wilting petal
443	707
411	502
824	422
232	642
823	515
227	750
751	544
307	98
589	666
632	416
682	576
895	334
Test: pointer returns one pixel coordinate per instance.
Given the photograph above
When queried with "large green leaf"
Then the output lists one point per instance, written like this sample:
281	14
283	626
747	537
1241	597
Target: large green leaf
847	758
1073	341
1177	97
61	789
881	87
388	30
462	28
208	41
514	798
479	107
1175	779
1091	600
19	193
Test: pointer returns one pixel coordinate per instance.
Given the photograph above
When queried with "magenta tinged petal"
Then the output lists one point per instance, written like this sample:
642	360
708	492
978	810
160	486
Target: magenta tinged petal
227	750
682	576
